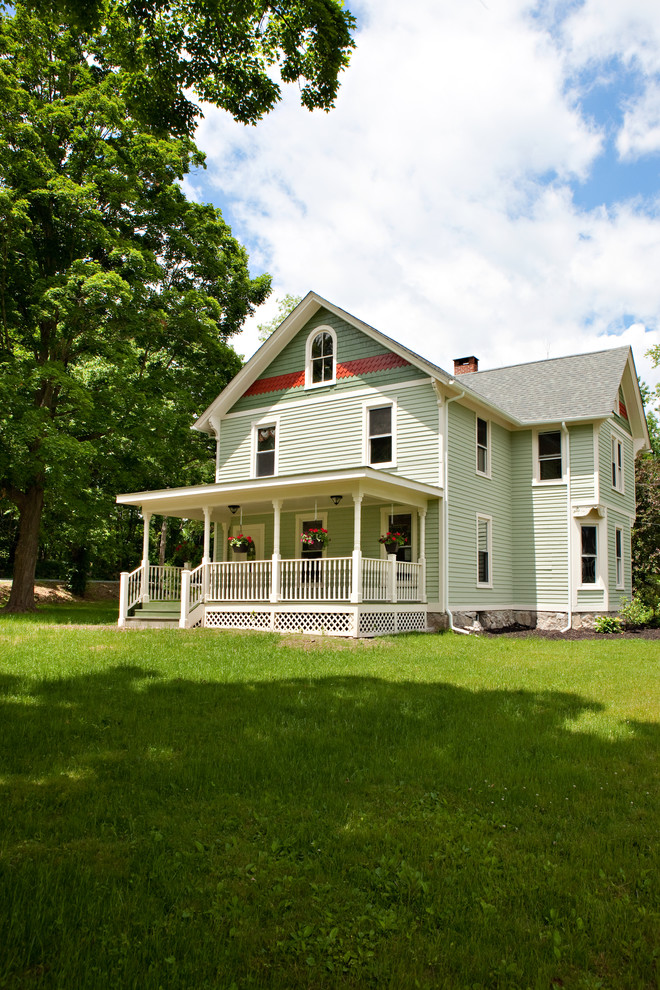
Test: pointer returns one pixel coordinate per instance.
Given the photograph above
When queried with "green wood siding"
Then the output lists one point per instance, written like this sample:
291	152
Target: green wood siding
617	521
330	435
469	494
581	441
352	345
609	496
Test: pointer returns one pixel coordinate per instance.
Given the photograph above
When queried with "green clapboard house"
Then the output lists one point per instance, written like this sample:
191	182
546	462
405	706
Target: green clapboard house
510	493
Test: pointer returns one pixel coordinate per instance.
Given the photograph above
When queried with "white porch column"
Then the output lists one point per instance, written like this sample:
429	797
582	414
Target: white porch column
123	598
277	557
206	559
225	537
185	598
356	584
216	530
422	553
391	577
144	590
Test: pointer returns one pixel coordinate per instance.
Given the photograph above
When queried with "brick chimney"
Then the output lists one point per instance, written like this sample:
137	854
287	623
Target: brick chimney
462	366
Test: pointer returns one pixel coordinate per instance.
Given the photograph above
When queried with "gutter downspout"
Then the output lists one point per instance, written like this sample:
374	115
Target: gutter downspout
445	473
569	523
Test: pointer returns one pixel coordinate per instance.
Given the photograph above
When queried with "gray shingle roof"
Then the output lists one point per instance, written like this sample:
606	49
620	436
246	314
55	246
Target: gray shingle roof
584	385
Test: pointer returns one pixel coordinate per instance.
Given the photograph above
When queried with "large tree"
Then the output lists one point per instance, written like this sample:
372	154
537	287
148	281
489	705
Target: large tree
646	531
226	52
117	295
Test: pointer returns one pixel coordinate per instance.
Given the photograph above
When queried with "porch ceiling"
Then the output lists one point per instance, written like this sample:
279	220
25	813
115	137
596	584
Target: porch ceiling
297	492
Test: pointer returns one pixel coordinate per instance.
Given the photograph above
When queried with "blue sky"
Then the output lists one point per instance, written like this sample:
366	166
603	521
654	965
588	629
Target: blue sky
488	183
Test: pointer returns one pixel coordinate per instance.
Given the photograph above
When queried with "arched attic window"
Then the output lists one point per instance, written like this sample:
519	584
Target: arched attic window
321	363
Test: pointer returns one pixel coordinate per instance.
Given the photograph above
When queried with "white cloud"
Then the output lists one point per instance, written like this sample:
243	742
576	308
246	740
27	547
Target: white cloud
640	134
422	203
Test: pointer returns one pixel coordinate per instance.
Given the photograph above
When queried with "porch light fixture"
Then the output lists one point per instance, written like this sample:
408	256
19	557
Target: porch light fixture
336	498
233	509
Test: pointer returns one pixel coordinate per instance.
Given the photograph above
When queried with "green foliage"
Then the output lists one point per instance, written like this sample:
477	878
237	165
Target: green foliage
285	305
117	295
635	614
608	624
200	810
227	53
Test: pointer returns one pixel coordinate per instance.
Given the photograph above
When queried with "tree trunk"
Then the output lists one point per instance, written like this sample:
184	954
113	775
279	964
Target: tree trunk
163	541
30	507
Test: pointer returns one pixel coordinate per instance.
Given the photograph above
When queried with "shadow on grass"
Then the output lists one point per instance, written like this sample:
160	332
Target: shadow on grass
340	831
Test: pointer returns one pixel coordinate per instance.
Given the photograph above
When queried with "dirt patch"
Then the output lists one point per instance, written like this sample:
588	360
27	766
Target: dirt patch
54	592
336	642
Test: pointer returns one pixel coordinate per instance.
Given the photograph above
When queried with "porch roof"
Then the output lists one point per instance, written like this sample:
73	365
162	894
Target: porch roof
256	495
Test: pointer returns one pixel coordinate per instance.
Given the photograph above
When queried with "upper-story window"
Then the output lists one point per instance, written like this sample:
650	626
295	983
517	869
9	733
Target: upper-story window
321	361
379	435
617	464
483	446
265	450
549	456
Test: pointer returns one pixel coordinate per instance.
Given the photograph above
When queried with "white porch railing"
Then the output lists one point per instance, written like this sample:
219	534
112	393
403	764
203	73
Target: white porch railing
327	579
374	580
164	584
240	581
408	581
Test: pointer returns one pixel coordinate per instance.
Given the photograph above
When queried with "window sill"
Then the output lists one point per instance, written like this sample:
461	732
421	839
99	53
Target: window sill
558	482
483	474
316	385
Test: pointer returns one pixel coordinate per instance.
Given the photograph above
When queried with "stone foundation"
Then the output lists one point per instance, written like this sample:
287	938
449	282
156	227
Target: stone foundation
499	620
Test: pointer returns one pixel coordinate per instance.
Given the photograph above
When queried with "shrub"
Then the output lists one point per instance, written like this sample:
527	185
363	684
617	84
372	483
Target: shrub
608	624
635	614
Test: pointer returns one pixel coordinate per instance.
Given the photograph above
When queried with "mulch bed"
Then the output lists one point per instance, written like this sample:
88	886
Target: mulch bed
572	634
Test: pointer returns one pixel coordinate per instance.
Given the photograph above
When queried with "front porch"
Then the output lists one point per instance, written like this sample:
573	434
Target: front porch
314	596
352	593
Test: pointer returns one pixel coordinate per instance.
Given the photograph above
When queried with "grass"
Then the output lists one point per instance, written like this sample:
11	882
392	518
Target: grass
199	809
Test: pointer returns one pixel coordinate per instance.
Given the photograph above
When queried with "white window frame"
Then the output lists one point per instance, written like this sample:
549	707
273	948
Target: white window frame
309	384
367	407
400	510
481	517
618	558
478	446
300	519
260	425
617	473
537	462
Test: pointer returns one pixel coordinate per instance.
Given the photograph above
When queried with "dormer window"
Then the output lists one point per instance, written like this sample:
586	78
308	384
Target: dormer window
321	357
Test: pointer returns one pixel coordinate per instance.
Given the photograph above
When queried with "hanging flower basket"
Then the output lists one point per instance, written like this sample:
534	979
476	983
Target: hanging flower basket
315	539
240	543
392	541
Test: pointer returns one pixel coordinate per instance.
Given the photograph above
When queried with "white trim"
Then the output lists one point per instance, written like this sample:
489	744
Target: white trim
602	549
478	446
597	427
308	400
482	517
261	424
309	384
300	518
536	476
366	408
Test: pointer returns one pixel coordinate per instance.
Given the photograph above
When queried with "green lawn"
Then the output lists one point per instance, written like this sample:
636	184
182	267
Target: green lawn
199	809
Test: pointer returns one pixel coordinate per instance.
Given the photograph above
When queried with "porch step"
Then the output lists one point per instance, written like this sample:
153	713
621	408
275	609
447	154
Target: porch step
155	614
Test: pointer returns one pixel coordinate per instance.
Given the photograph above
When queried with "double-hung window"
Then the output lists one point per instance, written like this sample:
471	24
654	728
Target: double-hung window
380	435
484	554
618	547
617	464
589	556
483	447
266	450
550	466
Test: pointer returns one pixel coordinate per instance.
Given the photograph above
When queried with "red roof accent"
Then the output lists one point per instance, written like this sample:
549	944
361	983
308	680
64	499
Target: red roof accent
350	369
623	412
365	366
276	384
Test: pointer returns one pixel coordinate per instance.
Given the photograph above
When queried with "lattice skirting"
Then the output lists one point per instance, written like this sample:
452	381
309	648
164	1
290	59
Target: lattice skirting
354	621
